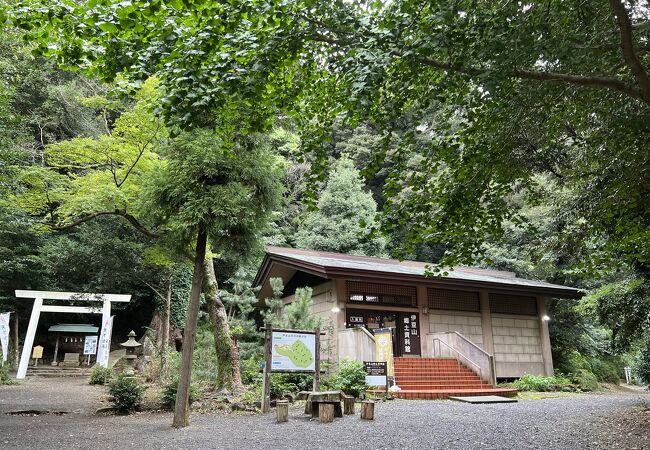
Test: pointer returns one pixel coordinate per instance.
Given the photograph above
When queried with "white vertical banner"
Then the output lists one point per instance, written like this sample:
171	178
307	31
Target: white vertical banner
104	347
4	335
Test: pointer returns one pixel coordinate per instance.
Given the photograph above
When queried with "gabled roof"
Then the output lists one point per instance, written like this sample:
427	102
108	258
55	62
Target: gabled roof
337	265
74	328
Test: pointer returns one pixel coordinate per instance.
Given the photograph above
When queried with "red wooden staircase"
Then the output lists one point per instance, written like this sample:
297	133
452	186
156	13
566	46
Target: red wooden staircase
439	378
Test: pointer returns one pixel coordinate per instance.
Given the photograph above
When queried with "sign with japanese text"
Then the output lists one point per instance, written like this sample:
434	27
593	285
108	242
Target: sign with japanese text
4	335
104	347
384	348
376	372
90	345
37	352
293	352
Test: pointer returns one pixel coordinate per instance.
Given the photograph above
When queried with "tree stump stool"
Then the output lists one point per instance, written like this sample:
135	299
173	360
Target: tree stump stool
325	412
282	410
348	404
368	410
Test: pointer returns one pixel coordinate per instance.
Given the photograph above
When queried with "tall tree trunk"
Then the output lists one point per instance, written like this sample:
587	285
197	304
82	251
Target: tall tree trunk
182	407
228	374
164	343
156	327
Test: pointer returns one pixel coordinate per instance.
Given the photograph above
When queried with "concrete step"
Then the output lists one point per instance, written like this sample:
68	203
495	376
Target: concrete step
439	394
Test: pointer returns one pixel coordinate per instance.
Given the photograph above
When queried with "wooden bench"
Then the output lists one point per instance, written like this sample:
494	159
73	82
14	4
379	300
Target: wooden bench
315	399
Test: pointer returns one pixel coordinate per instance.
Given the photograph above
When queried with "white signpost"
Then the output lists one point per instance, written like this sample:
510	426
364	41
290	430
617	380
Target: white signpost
4	335
90	345
39	307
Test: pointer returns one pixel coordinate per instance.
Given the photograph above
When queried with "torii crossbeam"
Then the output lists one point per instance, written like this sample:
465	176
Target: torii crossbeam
39	296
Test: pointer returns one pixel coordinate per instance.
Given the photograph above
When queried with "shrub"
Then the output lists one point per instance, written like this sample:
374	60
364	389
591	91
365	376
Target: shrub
586	380
642	366
251	372
169	392
4	375
290	383
349	378
542	384
100	375
126	393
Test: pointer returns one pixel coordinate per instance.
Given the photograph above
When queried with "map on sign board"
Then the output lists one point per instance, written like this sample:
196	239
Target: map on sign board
293	352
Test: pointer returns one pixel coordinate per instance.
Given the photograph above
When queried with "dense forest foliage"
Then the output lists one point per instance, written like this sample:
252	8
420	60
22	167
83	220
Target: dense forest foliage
328	126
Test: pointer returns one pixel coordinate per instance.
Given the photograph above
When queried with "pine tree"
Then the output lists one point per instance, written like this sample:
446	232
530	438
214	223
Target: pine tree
345	217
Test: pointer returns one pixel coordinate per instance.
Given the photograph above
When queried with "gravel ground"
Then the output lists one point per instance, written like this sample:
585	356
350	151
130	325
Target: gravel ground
586	421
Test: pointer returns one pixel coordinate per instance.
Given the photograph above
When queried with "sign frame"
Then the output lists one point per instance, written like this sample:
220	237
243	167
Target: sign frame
268	362
91	338
277	337
376	370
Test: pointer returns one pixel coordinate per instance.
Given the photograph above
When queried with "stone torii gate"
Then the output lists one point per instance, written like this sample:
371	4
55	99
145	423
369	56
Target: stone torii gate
39	307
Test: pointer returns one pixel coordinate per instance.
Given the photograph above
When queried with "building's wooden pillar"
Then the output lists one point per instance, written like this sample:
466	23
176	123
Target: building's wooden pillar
544	337
56	350
486	322
423	302
338	318
339	323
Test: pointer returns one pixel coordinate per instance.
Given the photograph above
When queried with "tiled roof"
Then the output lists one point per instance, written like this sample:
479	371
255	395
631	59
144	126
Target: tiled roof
329	260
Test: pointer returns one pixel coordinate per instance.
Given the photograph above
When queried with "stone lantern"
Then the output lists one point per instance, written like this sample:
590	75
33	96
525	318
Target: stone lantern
130	345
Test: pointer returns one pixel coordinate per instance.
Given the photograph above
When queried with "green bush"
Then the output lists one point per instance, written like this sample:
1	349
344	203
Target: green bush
542	384
585	380
642	365
169	392
290	383
4	375
126	393
251	372
349	378
607	370
100	375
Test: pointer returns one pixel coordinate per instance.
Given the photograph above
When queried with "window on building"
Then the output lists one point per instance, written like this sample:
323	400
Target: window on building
386	294
513	304
453	300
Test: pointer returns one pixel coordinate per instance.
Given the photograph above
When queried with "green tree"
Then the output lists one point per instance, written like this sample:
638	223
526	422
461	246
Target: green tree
345	217
223	187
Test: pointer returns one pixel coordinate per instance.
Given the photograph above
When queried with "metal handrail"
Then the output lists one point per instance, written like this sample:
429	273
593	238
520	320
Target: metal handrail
473	344
440	341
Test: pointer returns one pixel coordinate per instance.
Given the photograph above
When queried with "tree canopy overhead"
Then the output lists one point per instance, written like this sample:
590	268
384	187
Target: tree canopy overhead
517	88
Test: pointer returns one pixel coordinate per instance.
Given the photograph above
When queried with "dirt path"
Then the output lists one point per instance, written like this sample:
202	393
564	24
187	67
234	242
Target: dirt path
587	421
70	395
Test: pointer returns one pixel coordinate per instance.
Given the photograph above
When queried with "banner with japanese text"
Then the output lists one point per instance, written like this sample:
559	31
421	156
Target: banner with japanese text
104	347
384	348
4	335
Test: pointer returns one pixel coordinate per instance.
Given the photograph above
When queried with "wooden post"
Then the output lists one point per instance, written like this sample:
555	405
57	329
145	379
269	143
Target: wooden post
317	361
326	412
266	380
348	405
56	350
368	410
282	410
